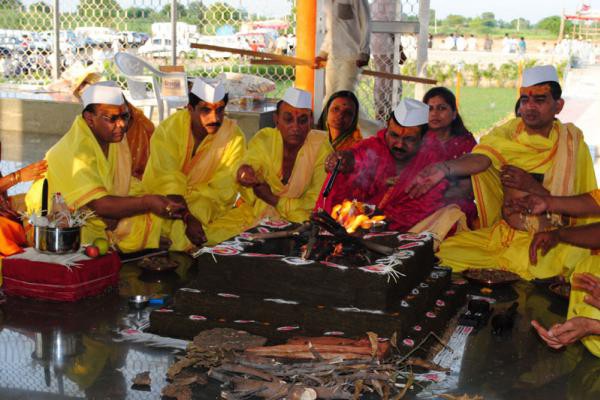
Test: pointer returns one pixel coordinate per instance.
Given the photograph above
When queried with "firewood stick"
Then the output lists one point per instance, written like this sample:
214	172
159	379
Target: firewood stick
307	355
257	54
292	348
368	72
240	369
377	248
326	351
280	234
287	60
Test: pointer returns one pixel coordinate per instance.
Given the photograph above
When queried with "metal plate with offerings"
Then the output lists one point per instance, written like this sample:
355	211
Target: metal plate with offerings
158	264
490	276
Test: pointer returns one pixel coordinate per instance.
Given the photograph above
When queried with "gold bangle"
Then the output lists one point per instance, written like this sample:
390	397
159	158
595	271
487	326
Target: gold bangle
18	176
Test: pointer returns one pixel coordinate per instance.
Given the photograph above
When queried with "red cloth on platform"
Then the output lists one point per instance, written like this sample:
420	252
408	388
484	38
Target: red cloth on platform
374	165
455	147
56	282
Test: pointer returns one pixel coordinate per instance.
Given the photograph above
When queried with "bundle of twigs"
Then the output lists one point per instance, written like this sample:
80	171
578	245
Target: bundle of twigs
247	375
248	369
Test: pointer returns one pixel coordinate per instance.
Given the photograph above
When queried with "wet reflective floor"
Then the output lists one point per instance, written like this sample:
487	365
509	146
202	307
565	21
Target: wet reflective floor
71	350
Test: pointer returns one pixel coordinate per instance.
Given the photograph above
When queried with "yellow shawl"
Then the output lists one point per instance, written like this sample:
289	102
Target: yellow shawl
172	169
79	170
563	158
298	196
202	166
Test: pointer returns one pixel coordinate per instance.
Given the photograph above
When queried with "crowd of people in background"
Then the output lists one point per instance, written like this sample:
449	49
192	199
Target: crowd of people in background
512	44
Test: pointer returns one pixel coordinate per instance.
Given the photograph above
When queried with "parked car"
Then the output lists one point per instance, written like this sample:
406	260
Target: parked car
97	34
130	39
162	47
36	42
11	43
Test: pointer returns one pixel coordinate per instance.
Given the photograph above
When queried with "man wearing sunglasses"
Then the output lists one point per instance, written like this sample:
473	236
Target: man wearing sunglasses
91	167
193	158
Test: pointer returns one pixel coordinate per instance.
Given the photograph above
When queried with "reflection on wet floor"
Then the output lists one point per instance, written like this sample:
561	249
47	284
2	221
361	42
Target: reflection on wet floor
73	350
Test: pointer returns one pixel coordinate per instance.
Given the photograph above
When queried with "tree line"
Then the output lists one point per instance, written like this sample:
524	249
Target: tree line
488	23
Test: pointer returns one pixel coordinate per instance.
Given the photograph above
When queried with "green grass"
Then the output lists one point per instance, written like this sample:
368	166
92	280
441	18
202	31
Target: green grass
482	108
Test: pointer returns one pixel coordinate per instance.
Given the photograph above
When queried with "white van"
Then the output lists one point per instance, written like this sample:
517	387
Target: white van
162	47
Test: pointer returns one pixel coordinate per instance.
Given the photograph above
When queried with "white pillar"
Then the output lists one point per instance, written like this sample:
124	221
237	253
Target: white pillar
174	32
422	39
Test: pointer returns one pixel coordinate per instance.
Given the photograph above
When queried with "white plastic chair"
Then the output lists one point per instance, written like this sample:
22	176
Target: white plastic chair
141	74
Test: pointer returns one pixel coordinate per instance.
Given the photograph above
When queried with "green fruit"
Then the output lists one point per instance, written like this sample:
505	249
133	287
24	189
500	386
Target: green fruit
102	245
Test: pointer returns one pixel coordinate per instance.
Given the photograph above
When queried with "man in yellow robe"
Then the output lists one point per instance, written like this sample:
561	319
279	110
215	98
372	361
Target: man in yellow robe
282	172
583	319
194	157
91	167
534	154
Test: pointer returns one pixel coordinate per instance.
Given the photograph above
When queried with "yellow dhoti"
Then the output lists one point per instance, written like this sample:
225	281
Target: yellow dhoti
297	198
579	308
563	158
205	178
505	248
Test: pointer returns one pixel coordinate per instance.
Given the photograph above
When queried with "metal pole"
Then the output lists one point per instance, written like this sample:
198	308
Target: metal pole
422	45
56	69
319	75
174	32
397	85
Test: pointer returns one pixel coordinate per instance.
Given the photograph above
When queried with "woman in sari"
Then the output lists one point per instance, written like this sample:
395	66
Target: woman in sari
340	120
447	131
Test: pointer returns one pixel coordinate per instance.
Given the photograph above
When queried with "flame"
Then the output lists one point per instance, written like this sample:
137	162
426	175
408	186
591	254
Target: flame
352	215
338	250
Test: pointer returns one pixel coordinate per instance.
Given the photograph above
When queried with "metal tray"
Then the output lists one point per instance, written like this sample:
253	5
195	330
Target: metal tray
490	276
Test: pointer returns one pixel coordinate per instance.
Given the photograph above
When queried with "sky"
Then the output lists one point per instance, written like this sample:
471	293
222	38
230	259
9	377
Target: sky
532	10
507	10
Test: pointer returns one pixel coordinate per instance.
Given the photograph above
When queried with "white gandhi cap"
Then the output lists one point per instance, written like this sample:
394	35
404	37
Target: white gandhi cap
102	93
298	98
537	75
411	112
207	92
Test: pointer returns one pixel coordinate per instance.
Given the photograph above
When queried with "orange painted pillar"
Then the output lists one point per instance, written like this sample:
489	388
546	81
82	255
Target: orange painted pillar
306	28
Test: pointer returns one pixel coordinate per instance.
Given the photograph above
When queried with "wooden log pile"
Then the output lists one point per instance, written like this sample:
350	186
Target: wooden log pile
301	369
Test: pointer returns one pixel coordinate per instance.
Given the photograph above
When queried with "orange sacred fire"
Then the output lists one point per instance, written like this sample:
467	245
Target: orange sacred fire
354	214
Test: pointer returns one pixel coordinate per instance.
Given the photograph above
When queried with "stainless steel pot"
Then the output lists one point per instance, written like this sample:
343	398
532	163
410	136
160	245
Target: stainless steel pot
56	240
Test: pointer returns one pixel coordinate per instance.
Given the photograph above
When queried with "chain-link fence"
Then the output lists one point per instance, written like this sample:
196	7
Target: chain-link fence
392	53
92	31
89	33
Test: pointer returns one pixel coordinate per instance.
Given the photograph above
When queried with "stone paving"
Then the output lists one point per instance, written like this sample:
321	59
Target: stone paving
582	106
